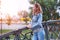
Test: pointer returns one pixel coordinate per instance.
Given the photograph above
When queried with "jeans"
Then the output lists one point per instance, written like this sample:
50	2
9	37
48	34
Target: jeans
38	35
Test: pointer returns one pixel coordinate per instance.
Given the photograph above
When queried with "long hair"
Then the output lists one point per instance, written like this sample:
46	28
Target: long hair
37	8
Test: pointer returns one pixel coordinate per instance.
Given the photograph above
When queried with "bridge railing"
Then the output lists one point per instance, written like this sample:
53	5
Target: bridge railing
17	35
51	27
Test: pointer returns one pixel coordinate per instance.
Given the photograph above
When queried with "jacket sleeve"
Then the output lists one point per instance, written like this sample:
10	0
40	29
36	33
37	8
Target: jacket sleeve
39	21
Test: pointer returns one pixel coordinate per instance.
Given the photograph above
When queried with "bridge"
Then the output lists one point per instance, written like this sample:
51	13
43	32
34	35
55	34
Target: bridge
51	30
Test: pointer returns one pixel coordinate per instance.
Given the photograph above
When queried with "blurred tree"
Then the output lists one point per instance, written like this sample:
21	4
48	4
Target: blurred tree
48	7
8	19
25	17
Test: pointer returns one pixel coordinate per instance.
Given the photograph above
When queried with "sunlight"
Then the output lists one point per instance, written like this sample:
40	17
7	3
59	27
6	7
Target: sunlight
12	7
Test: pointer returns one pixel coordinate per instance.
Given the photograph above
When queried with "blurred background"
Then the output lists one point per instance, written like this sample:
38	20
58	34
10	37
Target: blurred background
15	14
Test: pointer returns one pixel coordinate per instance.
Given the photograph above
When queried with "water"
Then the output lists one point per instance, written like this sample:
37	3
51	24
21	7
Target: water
12	26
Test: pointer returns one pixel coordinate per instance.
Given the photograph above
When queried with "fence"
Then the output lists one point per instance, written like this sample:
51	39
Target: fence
51	29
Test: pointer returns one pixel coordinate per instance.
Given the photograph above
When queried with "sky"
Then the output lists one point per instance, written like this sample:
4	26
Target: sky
12	7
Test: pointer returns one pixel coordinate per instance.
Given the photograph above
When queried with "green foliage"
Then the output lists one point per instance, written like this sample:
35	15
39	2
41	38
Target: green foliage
4	31
48	8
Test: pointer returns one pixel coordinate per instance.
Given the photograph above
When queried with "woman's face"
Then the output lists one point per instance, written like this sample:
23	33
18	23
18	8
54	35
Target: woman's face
36	9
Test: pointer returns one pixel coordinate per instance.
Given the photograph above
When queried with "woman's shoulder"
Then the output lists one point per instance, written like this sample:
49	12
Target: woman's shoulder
40	14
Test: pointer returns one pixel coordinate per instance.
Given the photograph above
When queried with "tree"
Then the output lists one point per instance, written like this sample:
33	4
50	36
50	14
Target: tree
48	7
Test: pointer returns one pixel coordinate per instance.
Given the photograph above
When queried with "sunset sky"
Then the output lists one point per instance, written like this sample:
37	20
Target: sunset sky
12	7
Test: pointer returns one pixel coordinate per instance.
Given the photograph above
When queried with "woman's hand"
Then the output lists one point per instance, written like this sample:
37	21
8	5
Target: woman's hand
28	26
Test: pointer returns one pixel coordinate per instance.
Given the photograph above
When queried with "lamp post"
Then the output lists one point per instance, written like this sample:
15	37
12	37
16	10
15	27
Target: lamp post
1	23
1	18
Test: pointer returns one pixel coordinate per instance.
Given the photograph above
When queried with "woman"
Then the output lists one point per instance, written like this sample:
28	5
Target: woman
36	23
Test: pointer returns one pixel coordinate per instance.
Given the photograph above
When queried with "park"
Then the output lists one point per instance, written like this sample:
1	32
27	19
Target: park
16	14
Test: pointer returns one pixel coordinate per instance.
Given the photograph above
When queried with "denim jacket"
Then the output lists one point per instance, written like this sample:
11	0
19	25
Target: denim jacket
37	21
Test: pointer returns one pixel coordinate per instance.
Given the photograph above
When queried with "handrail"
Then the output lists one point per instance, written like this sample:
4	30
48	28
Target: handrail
19	30
12	32
51	21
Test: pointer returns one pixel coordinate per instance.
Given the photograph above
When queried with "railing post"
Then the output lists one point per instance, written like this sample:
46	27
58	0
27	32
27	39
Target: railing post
17	36
59	36
7	38
1	39
46	31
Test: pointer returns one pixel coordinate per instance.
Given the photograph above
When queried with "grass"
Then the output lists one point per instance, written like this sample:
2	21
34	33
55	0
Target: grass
4	31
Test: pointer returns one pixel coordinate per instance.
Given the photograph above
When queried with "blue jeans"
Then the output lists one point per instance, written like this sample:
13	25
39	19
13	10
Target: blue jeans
39	35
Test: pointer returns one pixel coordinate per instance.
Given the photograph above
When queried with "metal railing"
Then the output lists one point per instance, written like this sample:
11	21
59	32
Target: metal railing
51	27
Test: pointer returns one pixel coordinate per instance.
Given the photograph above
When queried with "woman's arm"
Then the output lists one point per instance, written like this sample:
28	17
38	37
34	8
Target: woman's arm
39	21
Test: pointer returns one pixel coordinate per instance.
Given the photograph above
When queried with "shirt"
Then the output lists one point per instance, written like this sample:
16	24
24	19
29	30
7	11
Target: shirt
36	20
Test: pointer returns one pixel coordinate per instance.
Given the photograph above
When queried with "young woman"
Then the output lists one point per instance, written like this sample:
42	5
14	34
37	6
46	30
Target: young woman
36	23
